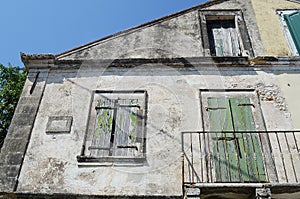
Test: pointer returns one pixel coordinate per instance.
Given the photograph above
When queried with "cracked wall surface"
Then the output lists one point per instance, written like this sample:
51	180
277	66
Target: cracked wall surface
178	36
50	164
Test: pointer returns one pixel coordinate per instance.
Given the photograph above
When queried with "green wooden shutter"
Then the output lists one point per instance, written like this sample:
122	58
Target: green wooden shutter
103	128
126	128
293	22
237	156
251	161
224	150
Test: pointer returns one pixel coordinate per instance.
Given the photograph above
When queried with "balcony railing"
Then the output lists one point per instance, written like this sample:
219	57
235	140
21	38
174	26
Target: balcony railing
247	158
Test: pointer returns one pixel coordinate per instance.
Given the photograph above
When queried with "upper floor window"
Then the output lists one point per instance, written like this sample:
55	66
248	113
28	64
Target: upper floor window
116	128
290	21
223	38
224	33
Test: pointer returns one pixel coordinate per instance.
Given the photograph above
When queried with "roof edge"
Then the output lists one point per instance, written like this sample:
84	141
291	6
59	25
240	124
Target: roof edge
37	60
144	25
294	1
27	57
48	61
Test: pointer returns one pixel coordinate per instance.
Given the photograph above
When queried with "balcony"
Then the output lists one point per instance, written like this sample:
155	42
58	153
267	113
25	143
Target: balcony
240	159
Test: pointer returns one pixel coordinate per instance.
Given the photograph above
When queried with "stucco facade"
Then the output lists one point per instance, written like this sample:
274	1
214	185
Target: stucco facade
271	32
275	44
44	154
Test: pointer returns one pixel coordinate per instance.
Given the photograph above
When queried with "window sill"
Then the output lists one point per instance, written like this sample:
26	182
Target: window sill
110	161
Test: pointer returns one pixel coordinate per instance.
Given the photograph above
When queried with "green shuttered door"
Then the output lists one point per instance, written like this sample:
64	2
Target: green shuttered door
237	156
293	22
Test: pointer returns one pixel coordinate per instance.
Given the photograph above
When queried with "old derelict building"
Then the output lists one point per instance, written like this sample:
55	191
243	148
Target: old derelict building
200	103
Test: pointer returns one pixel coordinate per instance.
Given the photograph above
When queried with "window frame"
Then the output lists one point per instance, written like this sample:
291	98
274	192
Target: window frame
242	32
286	30
140	157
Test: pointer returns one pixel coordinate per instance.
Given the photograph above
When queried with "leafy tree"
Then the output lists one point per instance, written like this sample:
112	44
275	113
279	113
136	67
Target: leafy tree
11	84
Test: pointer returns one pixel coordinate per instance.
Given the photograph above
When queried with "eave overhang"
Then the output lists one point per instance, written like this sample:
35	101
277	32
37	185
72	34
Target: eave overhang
42	61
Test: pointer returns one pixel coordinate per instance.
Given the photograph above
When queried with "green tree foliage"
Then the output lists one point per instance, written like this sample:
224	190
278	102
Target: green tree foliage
11	84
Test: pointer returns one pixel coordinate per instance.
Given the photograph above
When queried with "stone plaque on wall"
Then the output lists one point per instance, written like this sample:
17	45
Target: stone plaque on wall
59	124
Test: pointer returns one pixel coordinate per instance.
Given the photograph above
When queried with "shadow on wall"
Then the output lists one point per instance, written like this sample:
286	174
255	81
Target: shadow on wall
221	66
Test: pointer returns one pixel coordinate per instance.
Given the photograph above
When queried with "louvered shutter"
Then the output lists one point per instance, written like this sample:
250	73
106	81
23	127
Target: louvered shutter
293	22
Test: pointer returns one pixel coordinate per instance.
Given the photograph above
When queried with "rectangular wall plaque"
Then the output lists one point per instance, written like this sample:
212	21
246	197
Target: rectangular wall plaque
59	124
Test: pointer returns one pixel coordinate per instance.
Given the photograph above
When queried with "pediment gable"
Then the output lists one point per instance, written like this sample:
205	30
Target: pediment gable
175	35
147	40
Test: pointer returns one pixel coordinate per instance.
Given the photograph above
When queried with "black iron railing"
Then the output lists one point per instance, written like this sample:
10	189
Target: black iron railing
250	157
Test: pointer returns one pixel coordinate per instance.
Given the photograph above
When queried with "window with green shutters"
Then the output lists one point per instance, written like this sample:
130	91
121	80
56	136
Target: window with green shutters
116	127
293	23
237	156
290	23
224	33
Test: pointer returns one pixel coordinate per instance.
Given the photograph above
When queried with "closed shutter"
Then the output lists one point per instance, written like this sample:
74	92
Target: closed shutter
101	137
126	128
237	156
223	38
116	128
293	22
224	152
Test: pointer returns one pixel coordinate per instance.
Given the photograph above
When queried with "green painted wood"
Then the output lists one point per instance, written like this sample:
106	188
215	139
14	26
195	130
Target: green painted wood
237	156
242	140
233	164
253	140
126	127
103	128
139	132
244	121
218	115
293	23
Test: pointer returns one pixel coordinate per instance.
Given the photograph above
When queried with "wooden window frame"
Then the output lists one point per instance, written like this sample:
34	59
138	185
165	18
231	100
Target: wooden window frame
140	157
286	31
237	16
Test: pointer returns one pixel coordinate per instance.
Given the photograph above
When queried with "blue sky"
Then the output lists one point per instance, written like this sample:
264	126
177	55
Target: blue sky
37	26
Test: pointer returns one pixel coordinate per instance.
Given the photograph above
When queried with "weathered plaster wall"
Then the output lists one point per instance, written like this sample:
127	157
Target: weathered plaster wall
159	40
271	32
289	84
179	36
50	165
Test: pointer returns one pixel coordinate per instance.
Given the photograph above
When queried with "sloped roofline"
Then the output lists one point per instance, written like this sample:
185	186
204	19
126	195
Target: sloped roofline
147	24
294	1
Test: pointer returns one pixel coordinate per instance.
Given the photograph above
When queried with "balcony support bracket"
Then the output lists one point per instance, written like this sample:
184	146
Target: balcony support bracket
192	193
262	193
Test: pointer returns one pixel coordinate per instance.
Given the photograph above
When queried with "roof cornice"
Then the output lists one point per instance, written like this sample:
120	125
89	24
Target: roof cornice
37	60
48	61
